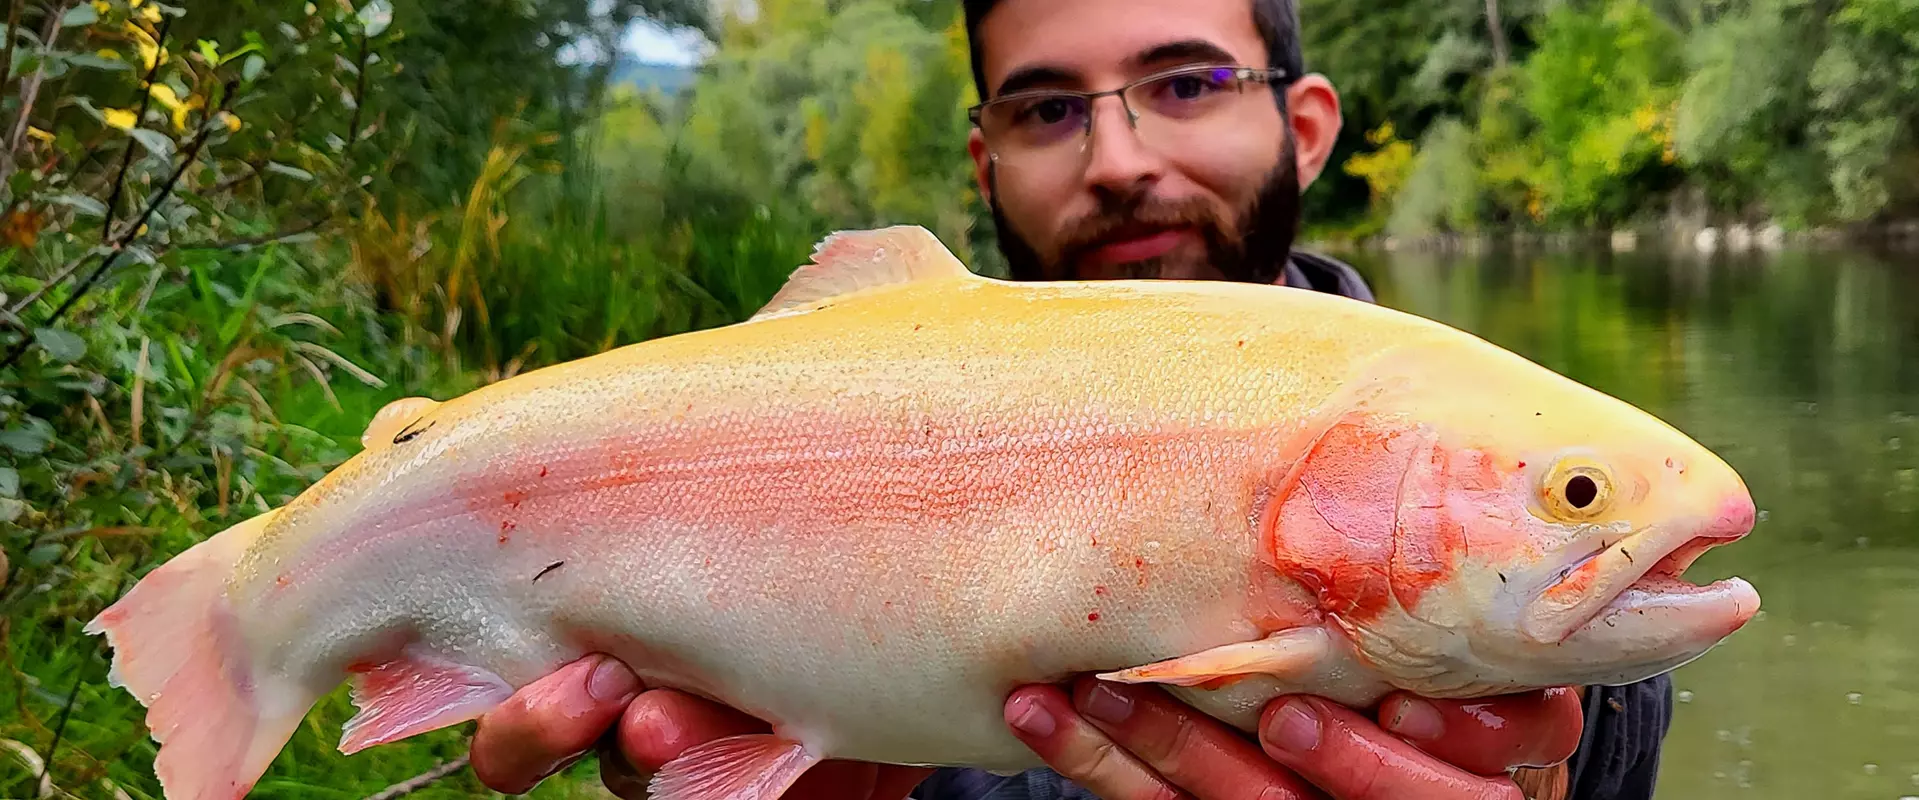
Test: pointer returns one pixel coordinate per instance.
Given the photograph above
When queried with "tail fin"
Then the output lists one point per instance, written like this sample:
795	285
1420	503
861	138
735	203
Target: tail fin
176	648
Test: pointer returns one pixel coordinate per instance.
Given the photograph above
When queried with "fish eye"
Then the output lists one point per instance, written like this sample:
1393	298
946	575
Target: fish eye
1581	491
1577	489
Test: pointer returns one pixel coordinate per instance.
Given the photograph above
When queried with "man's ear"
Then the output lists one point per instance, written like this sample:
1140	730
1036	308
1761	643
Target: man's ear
982	164
1313	105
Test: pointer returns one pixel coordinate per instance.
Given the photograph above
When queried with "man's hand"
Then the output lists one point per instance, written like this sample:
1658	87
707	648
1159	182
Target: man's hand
596	703
1121	742
1139	743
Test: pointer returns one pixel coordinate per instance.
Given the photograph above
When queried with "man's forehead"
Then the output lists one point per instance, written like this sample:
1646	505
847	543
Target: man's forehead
1083	43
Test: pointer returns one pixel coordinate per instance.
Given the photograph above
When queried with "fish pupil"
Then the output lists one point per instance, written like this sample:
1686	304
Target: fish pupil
1581	491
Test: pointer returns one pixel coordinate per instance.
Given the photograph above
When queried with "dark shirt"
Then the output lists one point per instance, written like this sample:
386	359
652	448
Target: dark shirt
1618	755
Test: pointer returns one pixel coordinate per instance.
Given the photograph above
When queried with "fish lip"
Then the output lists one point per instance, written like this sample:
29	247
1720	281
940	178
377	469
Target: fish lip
1655	562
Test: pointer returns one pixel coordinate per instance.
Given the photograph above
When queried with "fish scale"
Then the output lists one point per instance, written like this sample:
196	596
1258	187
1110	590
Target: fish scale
901	490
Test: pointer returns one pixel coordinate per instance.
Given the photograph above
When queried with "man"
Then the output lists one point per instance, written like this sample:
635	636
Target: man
1152	139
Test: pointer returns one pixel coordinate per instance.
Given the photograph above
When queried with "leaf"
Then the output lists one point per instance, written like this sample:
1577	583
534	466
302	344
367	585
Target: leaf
154	141
33	439
9	482
98	62
289	171
210	49
65	347
376	16
81	203
252	67
10	510
83	14
45	554
119	118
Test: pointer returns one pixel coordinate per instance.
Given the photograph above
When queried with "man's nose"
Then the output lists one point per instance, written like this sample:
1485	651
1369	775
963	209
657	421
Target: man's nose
1117	158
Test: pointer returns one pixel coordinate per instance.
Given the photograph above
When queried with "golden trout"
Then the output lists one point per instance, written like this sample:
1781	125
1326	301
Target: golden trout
902	490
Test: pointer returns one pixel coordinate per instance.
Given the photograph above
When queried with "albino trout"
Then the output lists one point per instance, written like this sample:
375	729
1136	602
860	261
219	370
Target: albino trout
902	490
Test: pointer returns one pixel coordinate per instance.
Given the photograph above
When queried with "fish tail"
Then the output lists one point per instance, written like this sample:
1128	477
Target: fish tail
178	649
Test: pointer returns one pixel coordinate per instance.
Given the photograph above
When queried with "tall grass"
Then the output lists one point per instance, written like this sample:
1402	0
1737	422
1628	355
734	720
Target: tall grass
216	385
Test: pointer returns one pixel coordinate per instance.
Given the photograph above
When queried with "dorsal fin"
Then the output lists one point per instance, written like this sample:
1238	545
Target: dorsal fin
853	261
394	417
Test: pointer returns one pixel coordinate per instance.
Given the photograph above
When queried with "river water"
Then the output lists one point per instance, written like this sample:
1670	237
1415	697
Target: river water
1802	370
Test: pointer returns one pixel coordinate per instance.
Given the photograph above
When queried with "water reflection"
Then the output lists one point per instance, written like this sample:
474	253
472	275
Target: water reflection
1802	370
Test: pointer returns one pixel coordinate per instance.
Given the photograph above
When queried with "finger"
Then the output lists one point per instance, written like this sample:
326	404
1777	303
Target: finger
1043	718
616	772
550	723
1195	752
1350	758
662	724
1493	735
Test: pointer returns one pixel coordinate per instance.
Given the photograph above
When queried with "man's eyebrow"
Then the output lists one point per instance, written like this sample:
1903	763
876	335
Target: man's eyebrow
1183	50
1034	76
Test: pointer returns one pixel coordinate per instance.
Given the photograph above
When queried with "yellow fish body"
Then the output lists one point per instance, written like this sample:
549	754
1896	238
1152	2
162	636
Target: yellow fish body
902	490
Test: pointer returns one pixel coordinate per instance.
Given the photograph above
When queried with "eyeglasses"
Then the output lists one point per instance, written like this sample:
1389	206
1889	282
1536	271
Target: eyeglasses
1164	109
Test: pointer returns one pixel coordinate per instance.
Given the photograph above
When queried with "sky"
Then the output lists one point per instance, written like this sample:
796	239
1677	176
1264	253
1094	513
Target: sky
655	45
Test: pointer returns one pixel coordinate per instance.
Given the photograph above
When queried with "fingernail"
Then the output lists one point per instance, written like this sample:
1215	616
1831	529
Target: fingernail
1106	705
1417	719
611	682
1295	728
1030	719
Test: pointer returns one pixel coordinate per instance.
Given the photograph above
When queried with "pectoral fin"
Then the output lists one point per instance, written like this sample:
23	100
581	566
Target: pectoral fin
1284	654
759	766
416	693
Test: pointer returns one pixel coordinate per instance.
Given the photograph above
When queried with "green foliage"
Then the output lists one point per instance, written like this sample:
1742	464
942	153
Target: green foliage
1800	110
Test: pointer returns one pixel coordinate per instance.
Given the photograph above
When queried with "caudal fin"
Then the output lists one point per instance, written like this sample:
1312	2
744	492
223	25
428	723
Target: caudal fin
177	649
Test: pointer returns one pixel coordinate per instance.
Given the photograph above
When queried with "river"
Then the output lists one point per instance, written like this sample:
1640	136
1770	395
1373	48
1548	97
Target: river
1802	370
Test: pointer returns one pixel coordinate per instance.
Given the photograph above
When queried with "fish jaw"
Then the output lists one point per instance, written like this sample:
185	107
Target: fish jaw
1628	611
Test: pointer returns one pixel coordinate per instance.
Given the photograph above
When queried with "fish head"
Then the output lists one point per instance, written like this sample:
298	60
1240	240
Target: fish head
1479	523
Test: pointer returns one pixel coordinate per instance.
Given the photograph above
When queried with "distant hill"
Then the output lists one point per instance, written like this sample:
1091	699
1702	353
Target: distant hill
670	79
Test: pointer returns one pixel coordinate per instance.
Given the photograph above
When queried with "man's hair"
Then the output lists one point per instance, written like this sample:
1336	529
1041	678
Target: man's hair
1277	21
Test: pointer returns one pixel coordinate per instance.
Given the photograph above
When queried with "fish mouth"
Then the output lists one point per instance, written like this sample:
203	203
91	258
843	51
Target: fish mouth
1642	575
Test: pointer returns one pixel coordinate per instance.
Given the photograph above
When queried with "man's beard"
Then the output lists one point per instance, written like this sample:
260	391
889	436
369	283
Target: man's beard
1254	249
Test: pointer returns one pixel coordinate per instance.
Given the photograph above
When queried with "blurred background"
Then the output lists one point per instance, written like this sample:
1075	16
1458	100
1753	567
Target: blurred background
232	231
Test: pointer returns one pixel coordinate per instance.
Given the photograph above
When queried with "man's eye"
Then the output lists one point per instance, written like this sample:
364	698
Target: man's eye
1047	112
1192	87
1189	87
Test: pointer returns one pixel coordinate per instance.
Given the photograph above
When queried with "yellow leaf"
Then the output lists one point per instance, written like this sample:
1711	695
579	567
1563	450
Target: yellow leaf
102	6
232	122
150	13
143	42
39	134
165	95
120	118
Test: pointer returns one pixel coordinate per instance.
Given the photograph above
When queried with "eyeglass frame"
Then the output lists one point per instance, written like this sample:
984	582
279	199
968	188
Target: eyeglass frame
1271	76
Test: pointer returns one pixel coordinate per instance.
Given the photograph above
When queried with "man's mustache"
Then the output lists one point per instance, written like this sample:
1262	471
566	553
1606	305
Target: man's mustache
1141	215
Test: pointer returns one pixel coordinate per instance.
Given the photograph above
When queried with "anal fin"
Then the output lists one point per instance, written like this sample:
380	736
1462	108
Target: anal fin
756	766
1284	654
416	693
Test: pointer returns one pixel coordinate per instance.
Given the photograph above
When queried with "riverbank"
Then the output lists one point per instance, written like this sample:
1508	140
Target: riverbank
1899	236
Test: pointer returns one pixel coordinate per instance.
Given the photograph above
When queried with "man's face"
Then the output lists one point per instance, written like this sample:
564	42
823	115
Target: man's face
1182	195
